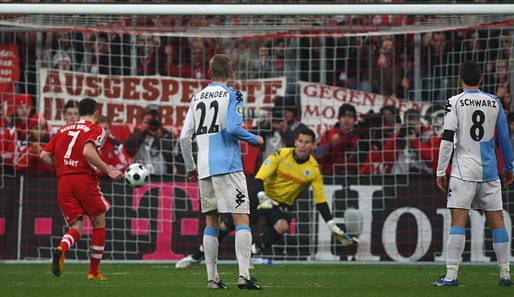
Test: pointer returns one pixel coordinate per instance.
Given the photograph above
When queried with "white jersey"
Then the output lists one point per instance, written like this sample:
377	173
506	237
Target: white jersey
215	116
472	121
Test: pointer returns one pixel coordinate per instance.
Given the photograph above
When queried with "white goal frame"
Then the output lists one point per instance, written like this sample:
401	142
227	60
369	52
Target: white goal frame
258	9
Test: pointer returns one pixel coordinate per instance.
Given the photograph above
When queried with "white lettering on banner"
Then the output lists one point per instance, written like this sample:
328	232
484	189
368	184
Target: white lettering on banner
324	252
163	242
366	210
389	230
424	234
447	223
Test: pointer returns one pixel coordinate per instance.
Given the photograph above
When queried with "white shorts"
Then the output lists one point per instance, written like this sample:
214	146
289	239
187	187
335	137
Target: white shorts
225	193
477	195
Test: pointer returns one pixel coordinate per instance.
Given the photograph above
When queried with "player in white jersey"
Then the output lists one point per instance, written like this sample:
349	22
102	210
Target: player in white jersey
215	116
472	123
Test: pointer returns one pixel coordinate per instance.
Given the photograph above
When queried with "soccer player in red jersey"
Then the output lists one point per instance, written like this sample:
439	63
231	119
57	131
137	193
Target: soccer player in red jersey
73	152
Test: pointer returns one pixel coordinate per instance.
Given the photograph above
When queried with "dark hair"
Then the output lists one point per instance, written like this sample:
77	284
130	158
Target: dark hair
394	111
347	109
71	104
306	131
411	114
470	73
87	106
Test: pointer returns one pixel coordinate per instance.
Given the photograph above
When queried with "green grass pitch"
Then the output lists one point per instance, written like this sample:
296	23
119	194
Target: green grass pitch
291	280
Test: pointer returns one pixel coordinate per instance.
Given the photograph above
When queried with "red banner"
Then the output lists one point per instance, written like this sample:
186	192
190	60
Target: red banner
123	98
9	66
320	103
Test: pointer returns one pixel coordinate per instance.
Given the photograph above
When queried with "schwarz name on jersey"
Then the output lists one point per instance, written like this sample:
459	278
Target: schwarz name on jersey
478	103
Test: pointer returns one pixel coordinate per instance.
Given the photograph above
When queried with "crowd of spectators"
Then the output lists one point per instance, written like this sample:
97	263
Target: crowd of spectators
378	142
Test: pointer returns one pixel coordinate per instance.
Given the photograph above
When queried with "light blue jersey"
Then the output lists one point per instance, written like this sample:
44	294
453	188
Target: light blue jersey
215	117
472	122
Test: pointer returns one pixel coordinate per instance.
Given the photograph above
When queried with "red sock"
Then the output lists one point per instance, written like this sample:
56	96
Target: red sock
97	249
69	239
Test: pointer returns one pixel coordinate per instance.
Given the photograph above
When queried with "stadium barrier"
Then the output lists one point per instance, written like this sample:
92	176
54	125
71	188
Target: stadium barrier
404	219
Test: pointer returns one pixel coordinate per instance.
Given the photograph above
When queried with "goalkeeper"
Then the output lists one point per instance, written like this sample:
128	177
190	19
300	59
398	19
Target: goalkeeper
280	180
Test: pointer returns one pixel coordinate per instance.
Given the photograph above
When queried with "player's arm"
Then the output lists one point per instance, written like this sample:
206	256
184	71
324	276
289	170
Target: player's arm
235	120
322	207
446	146
186	145
46	155
47	158
268	168
93	158
502	128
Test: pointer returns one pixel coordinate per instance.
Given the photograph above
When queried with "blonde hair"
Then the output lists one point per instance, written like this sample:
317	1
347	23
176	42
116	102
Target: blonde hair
220	66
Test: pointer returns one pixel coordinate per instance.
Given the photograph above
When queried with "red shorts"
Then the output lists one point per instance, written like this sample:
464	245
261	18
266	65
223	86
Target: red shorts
80	194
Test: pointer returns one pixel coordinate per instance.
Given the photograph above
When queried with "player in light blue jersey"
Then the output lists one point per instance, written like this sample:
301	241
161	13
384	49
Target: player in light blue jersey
472	123
215	118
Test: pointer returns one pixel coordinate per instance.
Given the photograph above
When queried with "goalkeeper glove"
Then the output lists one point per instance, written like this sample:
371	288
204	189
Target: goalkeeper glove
265	202
344	238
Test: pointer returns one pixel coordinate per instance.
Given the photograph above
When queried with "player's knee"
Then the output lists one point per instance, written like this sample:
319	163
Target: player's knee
227	224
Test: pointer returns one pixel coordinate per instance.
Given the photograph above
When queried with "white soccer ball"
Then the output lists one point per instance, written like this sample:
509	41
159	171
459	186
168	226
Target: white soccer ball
137	175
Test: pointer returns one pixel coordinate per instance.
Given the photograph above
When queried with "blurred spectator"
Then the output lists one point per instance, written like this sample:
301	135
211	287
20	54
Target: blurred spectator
291	110
172	66
417	146
278	57
352	63
434	116
387	78
111	151
59	50
510	120
26	152
149	58
382	141
70	114
71	111
199	61
62	61
151	144
384	127
96	57
27	48
497	82
338	149
270	129
24	117
262	67
434	58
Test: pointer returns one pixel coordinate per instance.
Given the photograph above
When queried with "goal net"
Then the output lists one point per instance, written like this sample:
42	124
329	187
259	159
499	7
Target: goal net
388	67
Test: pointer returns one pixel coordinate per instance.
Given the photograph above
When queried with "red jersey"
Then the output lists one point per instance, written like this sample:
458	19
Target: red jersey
67	147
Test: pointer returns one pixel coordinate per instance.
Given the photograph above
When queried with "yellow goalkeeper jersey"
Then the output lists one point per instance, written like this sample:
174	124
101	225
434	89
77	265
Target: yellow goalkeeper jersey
284	178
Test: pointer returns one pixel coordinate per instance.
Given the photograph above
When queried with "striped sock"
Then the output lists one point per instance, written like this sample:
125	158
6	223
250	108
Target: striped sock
69	239
97	249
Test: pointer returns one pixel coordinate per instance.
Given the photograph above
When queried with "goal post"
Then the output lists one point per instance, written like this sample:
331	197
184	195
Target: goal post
258	9
374	57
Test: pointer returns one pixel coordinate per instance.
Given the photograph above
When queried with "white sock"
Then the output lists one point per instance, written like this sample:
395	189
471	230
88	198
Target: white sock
456	244
502	254
210	245
243	250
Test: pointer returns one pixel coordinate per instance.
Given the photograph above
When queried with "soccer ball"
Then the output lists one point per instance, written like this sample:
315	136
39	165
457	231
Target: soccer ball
137	175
